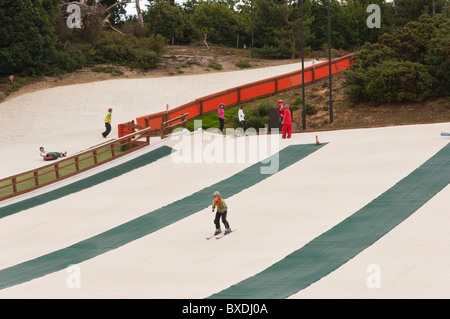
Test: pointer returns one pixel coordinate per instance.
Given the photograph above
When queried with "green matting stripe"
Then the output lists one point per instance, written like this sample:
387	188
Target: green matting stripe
87	182
347	239
150	222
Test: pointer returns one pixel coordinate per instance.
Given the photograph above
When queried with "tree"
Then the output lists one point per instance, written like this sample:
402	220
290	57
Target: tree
222	23
168	20
277	25
411	64
139	14
27	37
92	13
405	11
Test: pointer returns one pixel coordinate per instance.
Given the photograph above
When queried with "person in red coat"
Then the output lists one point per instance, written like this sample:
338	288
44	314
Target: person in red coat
287	123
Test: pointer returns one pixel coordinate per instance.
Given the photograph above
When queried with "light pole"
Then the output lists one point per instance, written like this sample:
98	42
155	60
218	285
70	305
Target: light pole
303	67
329	61
251	16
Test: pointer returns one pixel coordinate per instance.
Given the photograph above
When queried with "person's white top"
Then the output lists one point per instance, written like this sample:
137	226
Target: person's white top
43	153
241	115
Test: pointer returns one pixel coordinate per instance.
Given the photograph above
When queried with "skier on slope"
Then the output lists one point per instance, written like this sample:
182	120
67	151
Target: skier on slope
221	212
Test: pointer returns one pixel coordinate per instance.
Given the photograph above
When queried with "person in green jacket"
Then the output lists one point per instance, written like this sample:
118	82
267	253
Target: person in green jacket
221	212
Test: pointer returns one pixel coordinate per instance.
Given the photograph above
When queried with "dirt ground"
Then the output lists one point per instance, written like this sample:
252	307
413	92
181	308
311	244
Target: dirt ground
187	60
177	60
347	116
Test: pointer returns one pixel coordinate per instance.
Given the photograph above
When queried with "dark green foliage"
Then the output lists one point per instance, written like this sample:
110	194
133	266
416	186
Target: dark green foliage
397	81
169	21
35	40
27	37
113	48
409	65
221	24
255	117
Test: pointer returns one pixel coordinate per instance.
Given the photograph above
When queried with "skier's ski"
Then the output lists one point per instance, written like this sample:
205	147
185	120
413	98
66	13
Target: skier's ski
445	134
210	237
223	234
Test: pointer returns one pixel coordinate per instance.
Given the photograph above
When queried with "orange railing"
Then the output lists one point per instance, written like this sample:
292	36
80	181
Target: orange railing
241	94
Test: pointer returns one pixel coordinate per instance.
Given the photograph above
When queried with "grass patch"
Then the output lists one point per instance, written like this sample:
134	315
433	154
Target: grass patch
243	65
215	66
211	120
114	71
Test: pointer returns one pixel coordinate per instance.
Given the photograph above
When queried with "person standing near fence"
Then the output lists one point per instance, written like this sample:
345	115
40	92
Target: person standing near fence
107	123
221	112
281	106
287	123
241	117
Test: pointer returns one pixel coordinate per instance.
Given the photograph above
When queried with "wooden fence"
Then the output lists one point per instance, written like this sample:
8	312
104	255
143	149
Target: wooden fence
70	166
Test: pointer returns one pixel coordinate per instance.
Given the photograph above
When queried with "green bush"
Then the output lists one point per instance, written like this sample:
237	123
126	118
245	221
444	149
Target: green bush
268	51
389	82
409	65
243	65
264	109
255	118
113	48
215	66
73	58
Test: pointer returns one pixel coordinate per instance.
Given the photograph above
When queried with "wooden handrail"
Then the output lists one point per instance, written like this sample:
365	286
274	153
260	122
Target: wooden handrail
74	161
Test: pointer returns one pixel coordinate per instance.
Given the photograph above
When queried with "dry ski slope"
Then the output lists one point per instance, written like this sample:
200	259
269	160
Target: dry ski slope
364	214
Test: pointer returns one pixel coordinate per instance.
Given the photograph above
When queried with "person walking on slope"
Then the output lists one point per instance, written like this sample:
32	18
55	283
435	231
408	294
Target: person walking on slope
241	117
221	213
221	112
107	123
287	123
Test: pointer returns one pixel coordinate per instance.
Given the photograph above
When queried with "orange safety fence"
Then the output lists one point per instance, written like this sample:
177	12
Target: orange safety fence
241	94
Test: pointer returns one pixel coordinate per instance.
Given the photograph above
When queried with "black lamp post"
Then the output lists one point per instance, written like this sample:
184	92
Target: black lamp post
329	61
251	15
303	67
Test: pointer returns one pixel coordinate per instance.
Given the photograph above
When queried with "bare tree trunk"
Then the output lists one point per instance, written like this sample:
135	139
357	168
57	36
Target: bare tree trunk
139	14
204	40
94	10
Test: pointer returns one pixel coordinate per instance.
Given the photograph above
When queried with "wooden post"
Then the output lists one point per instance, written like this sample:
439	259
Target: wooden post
239	96
14	185
130	144
314	72
36	178
57	170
